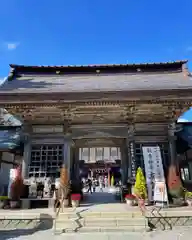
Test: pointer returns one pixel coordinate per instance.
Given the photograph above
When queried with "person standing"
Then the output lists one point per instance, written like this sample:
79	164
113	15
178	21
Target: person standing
94	185
101	184
89	185
105	182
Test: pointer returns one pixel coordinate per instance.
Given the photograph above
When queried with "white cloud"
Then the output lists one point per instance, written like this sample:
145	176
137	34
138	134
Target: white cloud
189	49
12	45
182	120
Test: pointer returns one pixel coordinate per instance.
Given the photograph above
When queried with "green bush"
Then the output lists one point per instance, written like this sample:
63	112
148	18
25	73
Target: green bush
112	181
140	189
188	195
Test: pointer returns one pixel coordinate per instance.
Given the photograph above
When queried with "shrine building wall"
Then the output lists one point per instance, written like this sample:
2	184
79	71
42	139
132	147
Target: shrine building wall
44	151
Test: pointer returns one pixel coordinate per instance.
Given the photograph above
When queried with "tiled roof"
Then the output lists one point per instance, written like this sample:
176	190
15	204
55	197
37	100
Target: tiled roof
103	68
99	65
96	83
8	120
10	139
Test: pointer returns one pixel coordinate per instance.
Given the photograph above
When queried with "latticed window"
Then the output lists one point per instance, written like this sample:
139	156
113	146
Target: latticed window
46	160
139	154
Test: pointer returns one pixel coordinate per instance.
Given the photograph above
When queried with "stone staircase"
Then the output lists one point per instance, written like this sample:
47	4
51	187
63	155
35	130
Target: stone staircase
100	222
97	218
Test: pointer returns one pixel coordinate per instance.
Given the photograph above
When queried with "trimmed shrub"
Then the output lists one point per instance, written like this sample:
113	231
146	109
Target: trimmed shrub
140	189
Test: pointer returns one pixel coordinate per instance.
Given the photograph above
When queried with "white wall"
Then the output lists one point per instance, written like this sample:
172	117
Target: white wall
5	169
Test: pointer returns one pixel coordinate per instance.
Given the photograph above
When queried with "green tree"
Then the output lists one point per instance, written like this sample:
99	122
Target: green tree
140	189
112	181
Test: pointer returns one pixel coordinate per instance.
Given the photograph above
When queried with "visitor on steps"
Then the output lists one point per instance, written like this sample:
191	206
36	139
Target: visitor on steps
94	185
90	186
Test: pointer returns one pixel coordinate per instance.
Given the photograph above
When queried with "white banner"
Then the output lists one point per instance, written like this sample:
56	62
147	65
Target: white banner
149	171
154	172
160	189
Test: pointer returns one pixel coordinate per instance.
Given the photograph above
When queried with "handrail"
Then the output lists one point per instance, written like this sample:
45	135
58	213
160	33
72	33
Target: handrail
142	207
160	217
57	211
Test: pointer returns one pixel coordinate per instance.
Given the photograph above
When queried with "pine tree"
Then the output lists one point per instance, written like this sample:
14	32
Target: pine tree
140	185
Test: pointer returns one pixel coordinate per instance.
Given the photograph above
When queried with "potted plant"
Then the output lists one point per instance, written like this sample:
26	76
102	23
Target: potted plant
75	199
140	190
3	200
188	198
130	198
76	188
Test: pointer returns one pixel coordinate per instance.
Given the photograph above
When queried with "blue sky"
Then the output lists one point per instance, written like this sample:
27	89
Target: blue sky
63	32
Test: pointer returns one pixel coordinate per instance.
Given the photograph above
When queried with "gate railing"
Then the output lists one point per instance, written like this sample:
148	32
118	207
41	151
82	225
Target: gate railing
57	211
156	219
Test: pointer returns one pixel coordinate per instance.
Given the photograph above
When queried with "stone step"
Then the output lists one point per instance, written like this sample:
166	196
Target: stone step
112	222
101	229
102	222
68	215
126	212
112	229
67	226
90	214
100	225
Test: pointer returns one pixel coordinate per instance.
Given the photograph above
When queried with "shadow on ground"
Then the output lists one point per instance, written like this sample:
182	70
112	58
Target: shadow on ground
45	224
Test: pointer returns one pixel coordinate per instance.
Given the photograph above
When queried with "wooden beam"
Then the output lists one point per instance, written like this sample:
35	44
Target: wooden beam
101	112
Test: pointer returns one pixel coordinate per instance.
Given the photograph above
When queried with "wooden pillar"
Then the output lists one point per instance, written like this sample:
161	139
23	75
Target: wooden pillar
67	150
26	156
131	153
172	143
76	159
124	163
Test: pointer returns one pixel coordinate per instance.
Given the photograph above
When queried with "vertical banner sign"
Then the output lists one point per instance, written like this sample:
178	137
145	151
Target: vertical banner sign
156	185
149	171
133	163
160	189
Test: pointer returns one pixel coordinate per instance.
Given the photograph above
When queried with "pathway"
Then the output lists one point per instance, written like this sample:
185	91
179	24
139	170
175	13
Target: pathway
97	197
176	234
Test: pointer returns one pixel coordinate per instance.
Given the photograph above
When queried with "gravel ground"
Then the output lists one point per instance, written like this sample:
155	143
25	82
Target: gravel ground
177	234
